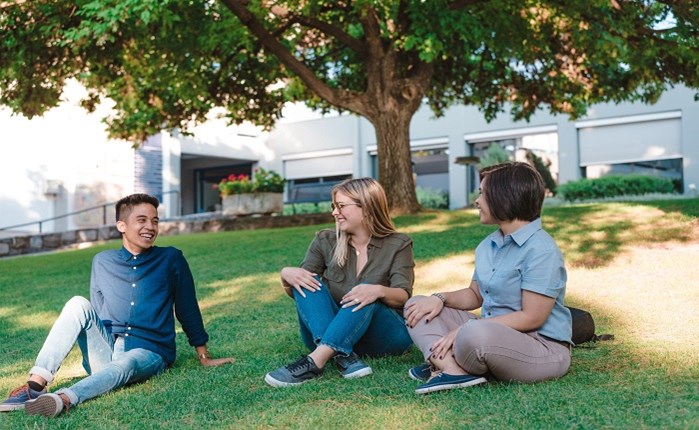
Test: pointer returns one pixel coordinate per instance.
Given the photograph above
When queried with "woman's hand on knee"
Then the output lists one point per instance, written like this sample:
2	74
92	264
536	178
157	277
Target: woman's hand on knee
444	346
300	279
422	307
361	295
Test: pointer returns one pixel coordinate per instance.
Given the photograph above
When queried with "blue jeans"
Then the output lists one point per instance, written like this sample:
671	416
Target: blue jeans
374	330
107	364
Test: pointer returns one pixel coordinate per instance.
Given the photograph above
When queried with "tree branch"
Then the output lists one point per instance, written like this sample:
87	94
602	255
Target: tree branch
331	30
341	98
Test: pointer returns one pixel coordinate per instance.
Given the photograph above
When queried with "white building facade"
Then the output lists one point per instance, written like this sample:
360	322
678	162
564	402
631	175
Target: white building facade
64	162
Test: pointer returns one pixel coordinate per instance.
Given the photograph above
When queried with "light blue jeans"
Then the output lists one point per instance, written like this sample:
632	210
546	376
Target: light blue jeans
107	364
373	331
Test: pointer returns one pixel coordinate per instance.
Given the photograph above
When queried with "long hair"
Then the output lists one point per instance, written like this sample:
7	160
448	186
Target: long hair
370	195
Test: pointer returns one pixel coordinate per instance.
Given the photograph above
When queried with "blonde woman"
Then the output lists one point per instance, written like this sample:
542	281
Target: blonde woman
350	288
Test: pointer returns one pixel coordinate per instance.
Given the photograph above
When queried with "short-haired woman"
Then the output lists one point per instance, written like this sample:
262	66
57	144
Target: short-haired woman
350	288
524	330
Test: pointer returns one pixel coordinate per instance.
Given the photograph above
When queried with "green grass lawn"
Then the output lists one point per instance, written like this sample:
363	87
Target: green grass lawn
634	265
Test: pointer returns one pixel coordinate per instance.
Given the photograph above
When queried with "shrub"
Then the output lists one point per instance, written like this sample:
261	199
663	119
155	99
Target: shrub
613	186
493	155
544	170
264	181
432	199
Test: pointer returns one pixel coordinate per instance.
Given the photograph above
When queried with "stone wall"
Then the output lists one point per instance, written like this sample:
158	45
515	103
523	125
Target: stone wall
30	244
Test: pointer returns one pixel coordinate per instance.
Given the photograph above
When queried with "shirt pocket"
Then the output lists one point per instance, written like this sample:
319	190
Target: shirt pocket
334	274
505	288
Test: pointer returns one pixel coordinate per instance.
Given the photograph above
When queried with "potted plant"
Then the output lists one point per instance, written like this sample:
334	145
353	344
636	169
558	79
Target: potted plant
261	194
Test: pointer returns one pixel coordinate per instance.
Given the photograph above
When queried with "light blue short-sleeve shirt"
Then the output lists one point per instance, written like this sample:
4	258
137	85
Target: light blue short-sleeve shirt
528	259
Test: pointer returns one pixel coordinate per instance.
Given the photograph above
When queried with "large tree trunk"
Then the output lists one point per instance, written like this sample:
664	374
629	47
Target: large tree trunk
395	166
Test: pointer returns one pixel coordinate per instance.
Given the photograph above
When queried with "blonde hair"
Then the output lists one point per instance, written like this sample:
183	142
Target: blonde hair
370	195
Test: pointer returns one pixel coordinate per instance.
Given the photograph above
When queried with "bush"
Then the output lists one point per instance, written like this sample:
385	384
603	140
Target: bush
432	199
493	155
613	186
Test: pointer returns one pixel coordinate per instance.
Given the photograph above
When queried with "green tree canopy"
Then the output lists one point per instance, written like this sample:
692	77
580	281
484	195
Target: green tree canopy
167	63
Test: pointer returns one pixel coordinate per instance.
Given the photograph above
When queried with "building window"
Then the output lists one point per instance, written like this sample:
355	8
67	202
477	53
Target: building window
313	190
430	168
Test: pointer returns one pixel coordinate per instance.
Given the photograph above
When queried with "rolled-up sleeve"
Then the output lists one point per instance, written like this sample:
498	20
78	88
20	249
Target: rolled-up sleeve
402	271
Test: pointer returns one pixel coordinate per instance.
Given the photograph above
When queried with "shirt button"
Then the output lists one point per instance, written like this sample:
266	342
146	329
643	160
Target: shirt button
134	268
132	303
487	292
489	314
128	328
134	257
491	270
126	335
133	285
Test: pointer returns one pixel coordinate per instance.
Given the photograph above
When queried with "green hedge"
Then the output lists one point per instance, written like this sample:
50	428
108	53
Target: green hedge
613	186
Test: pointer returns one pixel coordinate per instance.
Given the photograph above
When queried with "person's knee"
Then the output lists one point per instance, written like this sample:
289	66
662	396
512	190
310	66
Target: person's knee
413	299
475	334
77	303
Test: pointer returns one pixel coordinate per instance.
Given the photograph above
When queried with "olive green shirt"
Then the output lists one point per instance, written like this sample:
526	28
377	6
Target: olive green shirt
390	263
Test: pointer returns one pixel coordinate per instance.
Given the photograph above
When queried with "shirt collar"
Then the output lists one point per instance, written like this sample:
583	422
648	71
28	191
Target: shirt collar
520	236
376	241
125	255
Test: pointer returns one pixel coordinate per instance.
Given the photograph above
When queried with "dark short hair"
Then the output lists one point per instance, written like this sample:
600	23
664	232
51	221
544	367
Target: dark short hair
126	204
513	191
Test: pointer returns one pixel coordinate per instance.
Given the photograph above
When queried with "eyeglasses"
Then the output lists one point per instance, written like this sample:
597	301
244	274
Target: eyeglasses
340	206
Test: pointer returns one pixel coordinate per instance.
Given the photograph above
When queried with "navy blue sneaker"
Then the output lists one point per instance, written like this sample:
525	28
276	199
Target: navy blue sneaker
18	397
296	373
444	381
352	366
421	373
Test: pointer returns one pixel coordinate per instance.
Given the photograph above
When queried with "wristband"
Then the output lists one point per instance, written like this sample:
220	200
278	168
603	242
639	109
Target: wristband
441	297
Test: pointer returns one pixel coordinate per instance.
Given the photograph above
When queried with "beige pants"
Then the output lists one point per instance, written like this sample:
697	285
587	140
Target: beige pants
483	347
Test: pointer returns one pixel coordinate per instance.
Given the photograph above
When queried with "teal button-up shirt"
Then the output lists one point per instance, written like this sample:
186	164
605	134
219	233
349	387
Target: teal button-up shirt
134	296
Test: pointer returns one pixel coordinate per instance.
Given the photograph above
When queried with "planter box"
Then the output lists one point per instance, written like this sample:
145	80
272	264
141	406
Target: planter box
254	203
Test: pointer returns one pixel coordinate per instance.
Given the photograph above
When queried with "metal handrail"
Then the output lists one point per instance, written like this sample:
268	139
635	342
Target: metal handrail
102	206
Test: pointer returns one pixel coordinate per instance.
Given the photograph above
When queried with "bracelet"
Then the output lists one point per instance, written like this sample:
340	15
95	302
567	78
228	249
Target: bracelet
441	297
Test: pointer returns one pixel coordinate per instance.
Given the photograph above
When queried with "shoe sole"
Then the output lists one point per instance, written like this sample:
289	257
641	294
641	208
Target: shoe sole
364	371
10	408
45	405
277	383
443	387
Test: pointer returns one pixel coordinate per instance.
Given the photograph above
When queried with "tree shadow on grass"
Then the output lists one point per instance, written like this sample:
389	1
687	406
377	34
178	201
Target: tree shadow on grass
589	235
248	316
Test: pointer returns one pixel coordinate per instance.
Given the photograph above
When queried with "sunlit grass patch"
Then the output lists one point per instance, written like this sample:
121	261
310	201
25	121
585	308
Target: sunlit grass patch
633	265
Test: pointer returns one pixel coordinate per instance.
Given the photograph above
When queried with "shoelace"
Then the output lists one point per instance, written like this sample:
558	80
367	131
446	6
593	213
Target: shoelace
301	363
66	405
19	390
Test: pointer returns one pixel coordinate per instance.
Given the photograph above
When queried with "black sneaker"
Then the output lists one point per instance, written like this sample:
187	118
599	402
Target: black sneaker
351	366
295	373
